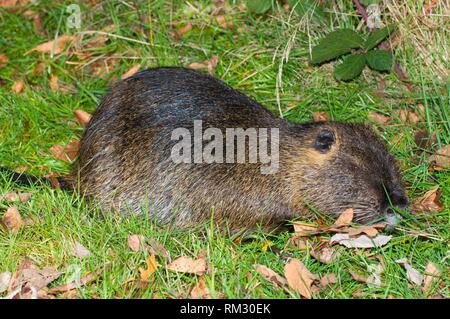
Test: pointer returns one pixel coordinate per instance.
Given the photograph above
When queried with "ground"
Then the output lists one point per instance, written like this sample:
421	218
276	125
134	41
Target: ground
265	56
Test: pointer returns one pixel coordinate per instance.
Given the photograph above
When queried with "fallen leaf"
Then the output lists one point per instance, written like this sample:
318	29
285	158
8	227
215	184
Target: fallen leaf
73	285
11	197
200	290
25	197
57	45
304	230
413	275
12	219
79	251
320	117
29	279
18	86
441	159
157	249
130	72
368	230
325	255
299	278
13	3
82	117
379	118
152	265
54	83
271	276
135	242
374	278
3	60
360	242
345	218
328	279
185	29
431	274
429	202
358	277
210	64
66	154
5	277
185	264
407	116
223	22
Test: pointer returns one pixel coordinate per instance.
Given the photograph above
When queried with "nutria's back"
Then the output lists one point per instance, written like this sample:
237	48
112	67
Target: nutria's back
135	156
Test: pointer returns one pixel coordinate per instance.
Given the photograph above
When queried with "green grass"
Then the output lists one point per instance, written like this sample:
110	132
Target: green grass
252	55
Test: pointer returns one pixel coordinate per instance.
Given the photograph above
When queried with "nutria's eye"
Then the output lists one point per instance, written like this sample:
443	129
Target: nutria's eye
324	141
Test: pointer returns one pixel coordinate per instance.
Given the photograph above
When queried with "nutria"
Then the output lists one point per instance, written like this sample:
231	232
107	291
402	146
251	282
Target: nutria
125	159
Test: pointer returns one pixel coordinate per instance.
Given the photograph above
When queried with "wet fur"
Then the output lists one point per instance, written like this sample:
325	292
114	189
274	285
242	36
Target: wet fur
124	160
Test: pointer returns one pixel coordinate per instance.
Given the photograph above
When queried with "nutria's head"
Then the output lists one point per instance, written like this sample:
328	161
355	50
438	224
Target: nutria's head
352	168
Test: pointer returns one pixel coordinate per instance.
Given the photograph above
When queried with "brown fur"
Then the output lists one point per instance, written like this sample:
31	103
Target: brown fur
124	160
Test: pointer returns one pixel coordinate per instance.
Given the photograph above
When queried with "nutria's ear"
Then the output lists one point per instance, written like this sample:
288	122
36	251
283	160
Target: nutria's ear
324	140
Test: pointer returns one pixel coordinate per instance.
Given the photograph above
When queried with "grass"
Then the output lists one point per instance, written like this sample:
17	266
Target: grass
254	53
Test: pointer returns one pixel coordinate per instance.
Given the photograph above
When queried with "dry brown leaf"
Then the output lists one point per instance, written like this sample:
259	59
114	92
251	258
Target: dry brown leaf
431	274
66	154
423	139
441	159
429	202
3	60
130	72
200	290
188	265
223	22
271	276
360	242
325	255
210	64
320	117
135	242
25	197
379	118
29	278
368	230
299	278
157	249
358	277
73	285
12	219
54	83
5	277
38	24
304	230
185	29
58	45
345	218
328	279
82	117
413	275
13	3
152	265
18	86
407	116
11	197
79	251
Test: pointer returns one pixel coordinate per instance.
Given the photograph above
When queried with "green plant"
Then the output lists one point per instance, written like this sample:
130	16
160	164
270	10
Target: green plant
359	52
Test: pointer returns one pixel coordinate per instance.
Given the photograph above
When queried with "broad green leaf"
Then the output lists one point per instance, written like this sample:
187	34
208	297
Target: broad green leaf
350	68
379	60
336	44
259	6
376	37
310	7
